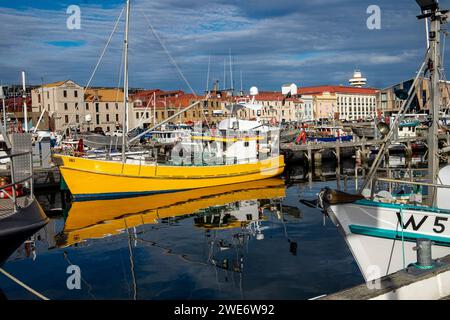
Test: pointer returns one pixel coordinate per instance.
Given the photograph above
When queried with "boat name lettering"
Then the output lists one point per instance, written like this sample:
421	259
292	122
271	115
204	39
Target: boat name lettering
439	227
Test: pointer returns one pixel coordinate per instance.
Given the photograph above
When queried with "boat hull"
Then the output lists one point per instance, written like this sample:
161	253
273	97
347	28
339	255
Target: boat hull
330	139
95	179
377	240
18	227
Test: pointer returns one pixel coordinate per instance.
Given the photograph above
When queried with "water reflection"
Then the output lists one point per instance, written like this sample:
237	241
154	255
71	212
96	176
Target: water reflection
231	206
252	241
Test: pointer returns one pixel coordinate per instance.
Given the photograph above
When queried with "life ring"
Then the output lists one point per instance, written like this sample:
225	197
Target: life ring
7	192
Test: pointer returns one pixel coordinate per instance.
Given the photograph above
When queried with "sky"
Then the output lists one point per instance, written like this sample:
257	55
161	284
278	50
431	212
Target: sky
271	42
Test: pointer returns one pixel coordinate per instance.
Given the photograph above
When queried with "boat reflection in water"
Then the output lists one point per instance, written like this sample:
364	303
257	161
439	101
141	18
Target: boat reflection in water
229	206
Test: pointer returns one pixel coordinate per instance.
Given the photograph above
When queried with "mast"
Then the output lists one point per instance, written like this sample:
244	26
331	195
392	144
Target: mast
231	74
207	75
224	74
434	66
24	97
125	83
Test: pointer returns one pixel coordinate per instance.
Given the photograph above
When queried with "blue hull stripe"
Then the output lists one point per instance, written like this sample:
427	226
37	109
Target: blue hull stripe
119	195
397	235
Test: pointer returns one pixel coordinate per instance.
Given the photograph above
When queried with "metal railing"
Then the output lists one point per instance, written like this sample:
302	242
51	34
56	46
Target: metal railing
18	193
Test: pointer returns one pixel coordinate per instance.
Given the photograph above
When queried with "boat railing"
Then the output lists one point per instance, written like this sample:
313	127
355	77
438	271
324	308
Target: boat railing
391	181
18	193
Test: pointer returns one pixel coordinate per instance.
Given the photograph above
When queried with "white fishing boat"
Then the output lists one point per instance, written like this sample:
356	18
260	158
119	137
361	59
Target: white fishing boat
381	228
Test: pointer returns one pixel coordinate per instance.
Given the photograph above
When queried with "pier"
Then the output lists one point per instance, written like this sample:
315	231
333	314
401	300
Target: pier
314	153
408	284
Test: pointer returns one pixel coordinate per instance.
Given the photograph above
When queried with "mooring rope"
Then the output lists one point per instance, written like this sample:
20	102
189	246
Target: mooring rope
23	285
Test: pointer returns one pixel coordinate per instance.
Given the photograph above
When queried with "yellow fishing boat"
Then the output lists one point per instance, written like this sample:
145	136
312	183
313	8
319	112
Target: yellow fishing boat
101	218
91	178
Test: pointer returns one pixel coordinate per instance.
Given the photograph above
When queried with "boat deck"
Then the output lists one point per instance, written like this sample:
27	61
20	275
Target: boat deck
7	206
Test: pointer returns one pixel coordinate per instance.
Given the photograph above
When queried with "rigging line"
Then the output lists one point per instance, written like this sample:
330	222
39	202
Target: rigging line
131	260
104	51
23	285
119	79
167	52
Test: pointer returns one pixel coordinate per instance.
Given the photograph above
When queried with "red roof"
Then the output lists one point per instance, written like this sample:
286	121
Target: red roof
335	89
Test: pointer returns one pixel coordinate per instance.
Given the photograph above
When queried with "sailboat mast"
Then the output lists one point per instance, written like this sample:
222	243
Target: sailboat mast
435	65
125	82
231	73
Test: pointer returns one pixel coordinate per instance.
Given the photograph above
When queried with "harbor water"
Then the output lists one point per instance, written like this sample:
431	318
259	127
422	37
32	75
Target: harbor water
258	241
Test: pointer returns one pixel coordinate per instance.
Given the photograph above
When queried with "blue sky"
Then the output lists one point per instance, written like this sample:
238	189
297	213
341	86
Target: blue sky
273	42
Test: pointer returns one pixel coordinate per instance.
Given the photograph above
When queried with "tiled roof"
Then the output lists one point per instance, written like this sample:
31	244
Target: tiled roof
54	84
335	89
103	95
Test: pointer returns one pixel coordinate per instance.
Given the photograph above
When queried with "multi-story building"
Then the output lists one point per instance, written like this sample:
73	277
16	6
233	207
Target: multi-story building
388	103
307	108
340	102
69	104
276	107
102	107
62	100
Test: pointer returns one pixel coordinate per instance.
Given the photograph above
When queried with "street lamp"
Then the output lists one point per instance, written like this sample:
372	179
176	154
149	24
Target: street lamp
428	6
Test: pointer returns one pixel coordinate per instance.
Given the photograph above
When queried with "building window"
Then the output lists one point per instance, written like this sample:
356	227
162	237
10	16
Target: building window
137	115
87	106
97	107
66	117
65	93
117	106
107	106
97	119
65	106
147	115
117	117
107	117
48	95
75	94
77	118
107	128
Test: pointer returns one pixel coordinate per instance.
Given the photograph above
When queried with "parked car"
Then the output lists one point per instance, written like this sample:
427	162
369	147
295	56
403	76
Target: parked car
117	133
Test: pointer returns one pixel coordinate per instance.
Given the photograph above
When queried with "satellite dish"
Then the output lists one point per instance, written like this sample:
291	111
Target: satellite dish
88	118
254	91
289	89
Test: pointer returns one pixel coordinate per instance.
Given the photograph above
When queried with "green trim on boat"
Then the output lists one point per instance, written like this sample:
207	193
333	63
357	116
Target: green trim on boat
370	203
397	235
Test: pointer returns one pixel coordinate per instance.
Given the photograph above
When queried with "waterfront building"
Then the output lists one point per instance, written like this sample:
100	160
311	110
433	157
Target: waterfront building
62	101
307	109
276	107
340	102
388	103
102	107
